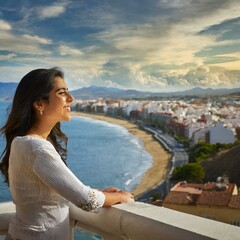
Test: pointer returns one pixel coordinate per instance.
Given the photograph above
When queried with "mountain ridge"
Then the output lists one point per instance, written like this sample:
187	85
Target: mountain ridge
117	93
7	91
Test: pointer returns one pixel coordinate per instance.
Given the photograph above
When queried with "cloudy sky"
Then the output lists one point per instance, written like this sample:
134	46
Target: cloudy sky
153	45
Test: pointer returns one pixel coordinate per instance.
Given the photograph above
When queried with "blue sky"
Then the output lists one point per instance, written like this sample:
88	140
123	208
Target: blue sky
152	45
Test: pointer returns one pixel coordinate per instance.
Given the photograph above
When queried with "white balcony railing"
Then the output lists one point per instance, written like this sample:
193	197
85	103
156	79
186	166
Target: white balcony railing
140	221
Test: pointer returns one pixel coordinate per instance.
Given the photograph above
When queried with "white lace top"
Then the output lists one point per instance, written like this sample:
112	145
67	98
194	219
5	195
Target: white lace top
42	186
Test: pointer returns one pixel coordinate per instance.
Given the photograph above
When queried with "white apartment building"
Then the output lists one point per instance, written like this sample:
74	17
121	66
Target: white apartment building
220	134
200	136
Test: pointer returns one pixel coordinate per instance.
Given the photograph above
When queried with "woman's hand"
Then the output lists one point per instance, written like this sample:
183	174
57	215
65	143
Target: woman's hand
115	195
126	197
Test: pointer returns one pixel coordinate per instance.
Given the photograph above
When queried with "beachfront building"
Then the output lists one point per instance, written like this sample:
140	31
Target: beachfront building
177	117
220	134
178	127
132	107
98	107
213	134
200	136
193	127
218	201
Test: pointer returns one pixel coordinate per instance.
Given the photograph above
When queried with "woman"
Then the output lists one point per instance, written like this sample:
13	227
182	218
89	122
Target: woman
34	161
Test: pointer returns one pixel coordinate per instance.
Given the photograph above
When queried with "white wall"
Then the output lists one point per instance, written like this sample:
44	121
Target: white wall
219	134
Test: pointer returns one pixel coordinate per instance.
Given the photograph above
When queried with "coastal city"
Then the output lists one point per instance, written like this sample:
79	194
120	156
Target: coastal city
179	125
212	121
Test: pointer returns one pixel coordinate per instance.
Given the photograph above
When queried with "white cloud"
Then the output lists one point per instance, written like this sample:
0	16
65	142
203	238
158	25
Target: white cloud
147	46
204	76
66	50
199	23
230	61
163	42
8	56
145	79
178	49
50	12
230	65
210	76
110	83
226	43
37	39
5	25
174	3
20	45
158	52
78	72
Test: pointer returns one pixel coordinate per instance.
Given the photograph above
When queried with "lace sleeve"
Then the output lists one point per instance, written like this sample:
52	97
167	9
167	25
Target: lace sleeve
92	202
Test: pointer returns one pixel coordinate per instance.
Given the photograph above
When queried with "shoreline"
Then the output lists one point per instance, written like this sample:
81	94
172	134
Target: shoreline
160	165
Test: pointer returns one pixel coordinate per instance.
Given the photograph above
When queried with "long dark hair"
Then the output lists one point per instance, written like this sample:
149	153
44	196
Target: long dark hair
34	86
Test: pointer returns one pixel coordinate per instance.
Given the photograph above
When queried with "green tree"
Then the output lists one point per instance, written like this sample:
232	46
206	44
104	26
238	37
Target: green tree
202	151
191	172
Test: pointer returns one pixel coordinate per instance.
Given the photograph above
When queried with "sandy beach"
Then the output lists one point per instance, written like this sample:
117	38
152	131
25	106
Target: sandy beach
156	173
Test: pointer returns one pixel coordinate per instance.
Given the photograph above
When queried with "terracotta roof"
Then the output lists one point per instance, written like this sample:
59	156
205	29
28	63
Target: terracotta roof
182	185
212	196
182	198
203	194
235	201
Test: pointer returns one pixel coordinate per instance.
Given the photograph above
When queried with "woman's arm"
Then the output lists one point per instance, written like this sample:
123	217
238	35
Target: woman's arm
53	172
49	167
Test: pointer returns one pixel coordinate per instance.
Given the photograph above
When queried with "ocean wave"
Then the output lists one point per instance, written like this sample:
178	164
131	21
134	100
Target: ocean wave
132	182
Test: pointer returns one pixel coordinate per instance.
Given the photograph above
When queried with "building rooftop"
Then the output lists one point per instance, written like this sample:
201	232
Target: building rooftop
209	194
235	201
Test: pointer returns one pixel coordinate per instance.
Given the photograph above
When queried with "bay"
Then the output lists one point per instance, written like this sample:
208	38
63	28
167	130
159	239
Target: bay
100	154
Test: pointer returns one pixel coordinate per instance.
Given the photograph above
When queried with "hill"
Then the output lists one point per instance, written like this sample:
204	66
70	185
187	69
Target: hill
225	163
116	93
104	92
7	90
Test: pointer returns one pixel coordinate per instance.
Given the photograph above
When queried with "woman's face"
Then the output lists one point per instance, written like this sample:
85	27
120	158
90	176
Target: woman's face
58	107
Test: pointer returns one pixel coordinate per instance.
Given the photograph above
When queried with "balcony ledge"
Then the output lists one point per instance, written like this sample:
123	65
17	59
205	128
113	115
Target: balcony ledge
140	221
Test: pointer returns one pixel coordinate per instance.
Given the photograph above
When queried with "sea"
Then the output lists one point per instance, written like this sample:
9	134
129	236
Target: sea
100	154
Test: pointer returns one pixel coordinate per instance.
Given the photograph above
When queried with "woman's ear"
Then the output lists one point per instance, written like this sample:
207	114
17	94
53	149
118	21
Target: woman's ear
38	105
